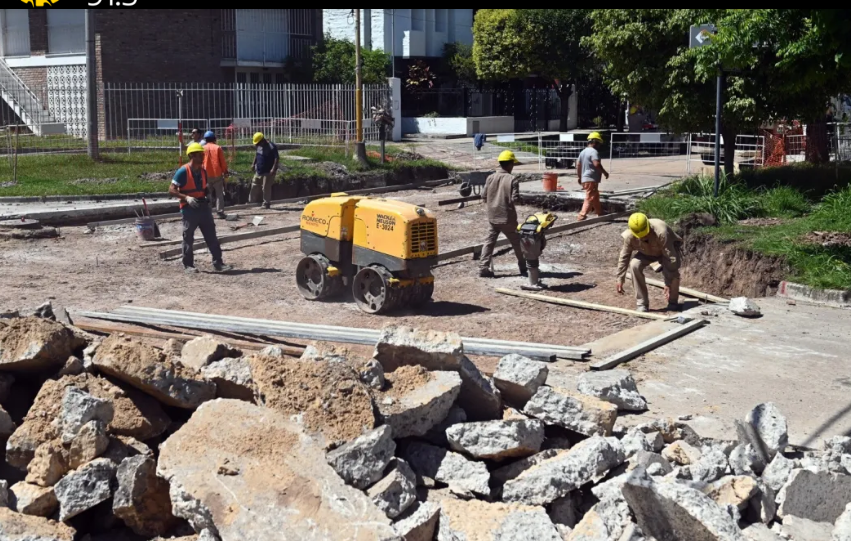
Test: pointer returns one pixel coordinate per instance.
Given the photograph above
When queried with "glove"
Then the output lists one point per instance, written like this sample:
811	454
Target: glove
192	202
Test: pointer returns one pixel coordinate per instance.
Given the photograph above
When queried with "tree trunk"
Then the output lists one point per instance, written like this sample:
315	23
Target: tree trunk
729	150
619	121
564	91
817	149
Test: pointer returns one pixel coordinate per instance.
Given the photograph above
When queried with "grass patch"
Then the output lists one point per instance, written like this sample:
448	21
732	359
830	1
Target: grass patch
120	172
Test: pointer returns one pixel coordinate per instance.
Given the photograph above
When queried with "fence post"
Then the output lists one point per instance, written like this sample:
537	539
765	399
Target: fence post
611	152
128	136
540	150
688	156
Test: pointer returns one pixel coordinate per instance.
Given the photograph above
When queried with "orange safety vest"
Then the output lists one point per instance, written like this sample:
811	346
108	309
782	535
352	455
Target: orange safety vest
191	189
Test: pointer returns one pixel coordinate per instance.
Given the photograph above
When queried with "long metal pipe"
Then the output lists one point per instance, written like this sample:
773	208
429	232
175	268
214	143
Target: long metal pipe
190	316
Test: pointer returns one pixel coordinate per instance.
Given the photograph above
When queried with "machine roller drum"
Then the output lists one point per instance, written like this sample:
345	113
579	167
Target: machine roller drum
372	290
313	280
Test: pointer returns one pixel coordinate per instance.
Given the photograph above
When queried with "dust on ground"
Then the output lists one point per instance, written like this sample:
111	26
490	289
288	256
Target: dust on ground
405	379
112	267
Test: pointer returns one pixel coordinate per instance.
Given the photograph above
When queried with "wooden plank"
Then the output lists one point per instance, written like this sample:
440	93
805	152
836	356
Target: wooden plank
687	291
234	238
458	200
150	333
647	345
581	304
557	229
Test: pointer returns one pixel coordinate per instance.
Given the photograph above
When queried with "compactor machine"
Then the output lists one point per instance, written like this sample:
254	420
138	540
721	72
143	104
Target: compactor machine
383	250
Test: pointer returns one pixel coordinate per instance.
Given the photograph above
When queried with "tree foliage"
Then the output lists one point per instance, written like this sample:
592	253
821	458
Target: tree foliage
334	63
458	62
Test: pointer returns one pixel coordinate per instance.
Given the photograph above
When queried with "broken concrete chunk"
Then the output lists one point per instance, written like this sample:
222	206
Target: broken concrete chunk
711	466
734	490
447	467
201	351
762	506
437	434
681	453
646	459
518	378
494	521
770	427
415	412
272	351
232	377
20	527
79	408
33	344
820	497
7	426
778	472
84	488
555	477
673	511
615	386
744	460
420	523
801	529
566	510
506	473
272	455
837	444
497	440
479	397
396	491
326	396
4	493
372	374
362	461
760	532
89	443
142	499
399	346
147	369
590	528
842	527
743	306
48	465
73	366
33	500
580	413
635	440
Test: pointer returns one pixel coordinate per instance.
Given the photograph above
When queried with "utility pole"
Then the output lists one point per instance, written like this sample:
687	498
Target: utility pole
91	86
360	147
727	145
393	42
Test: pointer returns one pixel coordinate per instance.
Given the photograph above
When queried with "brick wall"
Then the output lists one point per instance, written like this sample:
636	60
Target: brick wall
155	45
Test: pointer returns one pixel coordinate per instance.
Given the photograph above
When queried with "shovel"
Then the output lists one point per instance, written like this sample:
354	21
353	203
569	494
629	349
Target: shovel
157	234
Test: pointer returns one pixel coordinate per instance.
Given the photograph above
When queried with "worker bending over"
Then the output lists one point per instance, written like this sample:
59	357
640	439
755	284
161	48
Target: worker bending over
216	168
590	171
655	242
500	194
190	186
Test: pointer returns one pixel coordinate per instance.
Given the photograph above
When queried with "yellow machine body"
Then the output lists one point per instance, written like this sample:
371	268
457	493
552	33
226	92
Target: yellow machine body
331	217
392	230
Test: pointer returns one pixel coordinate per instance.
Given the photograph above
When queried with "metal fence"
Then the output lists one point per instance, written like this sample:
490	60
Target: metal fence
749	151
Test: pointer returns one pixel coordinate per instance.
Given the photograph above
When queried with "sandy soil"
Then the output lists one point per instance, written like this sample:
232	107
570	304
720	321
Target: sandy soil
111	267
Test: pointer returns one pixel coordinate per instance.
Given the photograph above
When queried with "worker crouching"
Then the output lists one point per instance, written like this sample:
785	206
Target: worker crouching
655	242
533	240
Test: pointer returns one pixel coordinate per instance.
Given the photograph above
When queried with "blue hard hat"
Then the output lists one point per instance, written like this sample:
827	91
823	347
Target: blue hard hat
209	135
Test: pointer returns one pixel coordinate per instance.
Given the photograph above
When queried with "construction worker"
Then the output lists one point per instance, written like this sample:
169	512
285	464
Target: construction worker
655	242
197	137
190	186
500	194
217	169
590	170
265	167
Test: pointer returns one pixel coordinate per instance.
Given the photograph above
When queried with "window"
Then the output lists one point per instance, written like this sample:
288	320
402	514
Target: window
440	20
267	78
280	78
418	19
16	32
255	78
66	31
241	77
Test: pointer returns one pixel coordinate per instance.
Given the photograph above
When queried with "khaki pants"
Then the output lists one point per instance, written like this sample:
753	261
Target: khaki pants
510	232
217	192
592	199
670	271
262	185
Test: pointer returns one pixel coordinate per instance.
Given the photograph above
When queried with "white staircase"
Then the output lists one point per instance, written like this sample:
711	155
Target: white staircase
26	104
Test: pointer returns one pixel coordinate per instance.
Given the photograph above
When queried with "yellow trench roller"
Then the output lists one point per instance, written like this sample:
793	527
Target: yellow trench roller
383	249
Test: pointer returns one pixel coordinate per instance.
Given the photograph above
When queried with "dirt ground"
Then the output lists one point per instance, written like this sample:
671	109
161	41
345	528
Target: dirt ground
111	267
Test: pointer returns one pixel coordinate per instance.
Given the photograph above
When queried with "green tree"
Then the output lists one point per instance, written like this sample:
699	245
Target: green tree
516	43
458	62
334	63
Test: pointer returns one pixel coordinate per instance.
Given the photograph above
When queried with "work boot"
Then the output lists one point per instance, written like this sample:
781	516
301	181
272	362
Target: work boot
221	267
523	270
641	308
190	270
673	307
267	206
486	273
222	215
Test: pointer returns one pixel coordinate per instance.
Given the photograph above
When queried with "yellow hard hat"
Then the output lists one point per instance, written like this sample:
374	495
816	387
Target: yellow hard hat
595	136
639	225
507	156
258	137
194	147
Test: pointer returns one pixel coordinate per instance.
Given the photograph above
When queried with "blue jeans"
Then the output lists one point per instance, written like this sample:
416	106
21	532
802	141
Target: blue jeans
201	217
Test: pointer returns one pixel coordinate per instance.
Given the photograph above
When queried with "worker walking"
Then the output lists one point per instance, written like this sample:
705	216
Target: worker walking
655	242
590	171
190	186
500	194
216	168
265	167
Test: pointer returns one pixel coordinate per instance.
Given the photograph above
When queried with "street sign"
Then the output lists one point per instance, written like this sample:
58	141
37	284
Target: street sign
701	35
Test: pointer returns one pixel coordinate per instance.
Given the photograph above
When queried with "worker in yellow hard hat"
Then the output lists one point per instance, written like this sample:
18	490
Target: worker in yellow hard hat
190	186
265	167
500	194
652	241
590	170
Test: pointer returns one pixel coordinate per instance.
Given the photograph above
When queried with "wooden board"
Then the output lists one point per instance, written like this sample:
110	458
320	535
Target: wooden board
581	304
647	345
234	238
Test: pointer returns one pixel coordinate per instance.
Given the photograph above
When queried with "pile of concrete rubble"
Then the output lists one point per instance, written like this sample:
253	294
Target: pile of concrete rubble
115	439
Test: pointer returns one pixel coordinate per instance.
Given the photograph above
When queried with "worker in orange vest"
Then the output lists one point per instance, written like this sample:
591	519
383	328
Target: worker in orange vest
217	169
190	186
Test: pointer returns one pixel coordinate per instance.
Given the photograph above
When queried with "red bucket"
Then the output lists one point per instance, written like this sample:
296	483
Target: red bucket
550	182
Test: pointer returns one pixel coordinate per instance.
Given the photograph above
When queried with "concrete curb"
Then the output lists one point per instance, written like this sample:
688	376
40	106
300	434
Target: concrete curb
828	297
93	198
